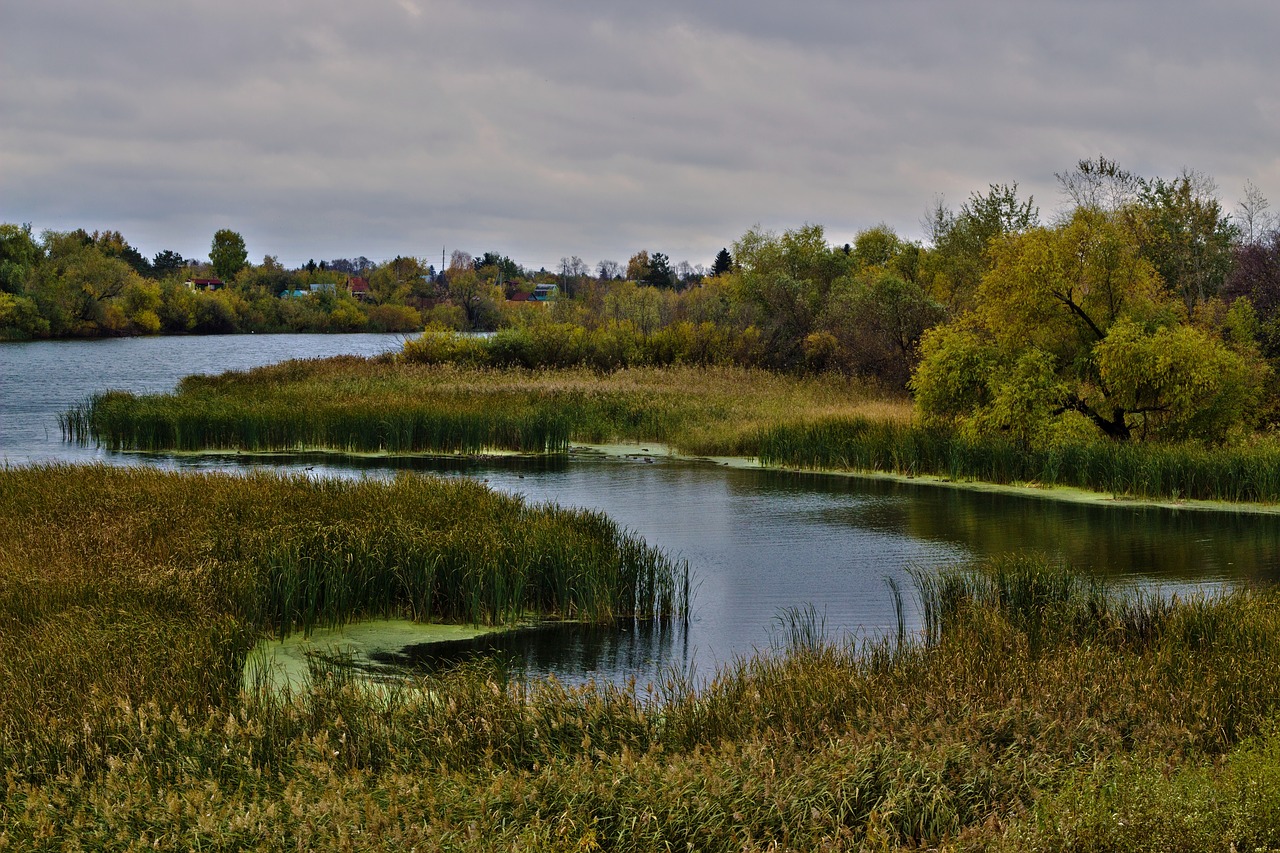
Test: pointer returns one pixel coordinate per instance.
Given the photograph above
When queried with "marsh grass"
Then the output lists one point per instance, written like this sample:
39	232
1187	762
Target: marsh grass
1246	472
380	405
394	406
1017	718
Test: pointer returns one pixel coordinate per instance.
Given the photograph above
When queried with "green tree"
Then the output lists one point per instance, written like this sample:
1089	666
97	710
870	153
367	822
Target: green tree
167	263
877	321
394	281
722	264
19	255
659	272
1184	233
1070	325
787	279
77	285
113	245
959	257
227	254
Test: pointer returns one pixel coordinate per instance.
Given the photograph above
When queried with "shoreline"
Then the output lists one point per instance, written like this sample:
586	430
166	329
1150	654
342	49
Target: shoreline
622	450
1064	494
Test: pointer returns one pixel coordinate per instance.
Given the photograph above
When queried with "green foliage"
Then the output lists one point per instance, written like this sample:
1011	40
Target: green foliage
722	264
1178	382
1186	236
20	318
19	254
658	273
1072	319
227	253
959	258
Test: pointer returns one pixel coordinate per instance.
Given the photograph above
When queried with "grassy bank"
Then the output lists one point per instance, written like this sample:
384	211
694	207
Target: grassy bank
141	584
356	404
1034	711
399	406
1246	472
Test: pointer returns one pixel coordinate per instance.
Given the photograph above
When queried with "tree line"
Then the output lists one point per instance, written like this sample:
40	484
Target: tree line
1140	308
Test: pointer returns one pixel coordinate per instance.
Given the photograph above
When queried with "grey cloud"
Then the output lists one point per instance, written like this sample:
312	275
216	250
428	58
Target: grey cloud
544	129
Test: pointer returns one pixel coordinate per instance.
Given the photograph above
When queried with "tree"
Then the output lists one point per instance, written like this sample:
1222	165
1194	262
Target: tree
397	279
638	266
876	247
1070	324
722	264
787	279
227	254
1254	220
959	259
1183	232
608	270
877	321
19	255
659	273
113	245
167	263
1100	184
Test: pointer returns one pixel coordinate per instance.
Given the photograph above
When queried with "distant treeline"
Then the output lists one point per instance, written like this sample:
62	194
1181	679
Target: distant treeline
1141	309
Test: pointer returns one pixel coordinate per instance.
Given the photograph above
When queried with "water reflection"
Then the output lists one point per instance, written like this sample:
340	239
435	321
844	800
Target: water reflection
1124	542
643	649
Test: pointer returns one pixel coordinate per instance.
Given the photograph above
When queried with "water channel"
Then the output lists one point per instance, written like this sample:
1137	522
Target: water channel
757	541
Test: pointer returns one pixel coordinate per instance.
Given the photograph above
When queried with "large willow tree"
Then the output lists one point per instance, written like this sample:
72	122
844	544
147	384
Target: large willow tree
1074	332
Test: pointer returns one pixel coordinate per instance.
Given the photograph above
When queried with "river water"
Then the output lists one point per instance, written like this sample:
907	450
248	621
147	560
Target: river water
758	542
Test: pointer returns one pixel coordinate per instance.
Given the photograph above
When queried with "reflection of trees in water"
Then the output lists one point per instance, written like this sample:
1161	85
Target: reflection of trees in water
1116	541
572	651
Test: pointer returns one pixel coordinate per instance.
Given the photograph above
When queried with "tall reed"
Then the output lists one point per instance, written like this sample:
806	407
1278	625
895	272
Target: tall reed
1034	709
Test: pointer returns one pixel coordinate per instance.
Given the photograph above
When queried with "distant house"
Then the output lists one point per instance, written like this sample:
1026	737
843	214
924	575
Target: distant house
520	296
205	284
544	293
324	287
294	294
358	287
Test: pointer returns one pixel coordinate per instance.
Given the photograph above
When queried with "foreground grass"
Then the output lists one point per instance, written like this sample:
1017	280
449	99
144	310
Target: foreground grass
1034	711
141	584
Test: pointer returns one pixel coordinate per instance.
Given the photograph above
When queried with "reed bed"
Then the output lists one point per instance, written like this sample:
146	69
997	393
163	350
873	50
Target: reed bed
383	405
827	422
179	562
1243	473
1035	710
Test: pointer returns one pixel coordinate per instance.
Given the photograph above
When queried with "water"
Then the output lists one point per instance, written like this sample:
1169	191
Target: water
757	542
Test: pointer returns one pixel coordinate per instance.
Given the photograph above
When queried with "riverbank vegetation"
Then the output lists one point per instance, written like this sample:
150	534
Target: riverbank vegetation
399	405
391	404
109	576
1139	309
125	603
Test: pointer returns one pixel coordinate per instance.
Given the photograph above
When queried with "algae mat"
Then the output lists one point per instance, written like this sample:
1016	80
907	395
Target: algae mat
286	664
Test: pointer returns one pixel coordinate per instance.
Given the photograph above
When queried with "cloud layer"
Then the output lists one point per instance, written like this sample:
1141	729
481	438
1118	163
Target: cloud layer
325	129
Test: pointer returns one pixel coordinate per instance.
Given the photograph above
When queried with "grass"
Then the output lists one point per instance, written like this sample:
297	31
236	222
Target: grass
136	580
1246	472
381	405
1035	710
390	405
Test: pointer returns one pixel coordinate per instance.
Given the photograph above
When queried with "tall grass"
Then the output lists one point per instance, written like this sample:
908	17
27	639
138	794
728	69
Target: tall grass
1022	717
1242	473
389	406
353	404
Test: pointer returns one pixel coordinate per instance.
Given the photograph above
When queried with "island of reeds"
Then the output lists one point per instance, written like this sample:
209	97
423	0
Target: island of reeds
450	394
1033	710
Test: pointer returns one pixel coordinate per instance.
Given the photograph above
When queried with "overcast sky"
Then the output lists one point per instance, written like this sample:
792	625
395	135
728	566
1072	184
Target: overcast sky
328	128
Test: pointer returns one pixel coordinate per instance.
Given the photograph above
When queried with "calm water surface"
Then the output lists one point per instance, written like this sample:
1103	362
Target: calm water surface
757	541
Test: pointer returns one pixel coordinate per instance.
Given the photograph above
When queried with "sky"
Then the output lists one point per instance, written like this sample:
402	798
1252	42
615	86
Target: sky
593	128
